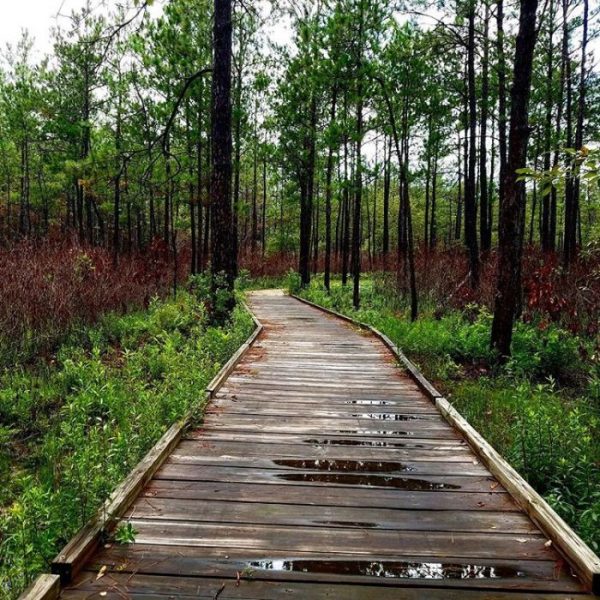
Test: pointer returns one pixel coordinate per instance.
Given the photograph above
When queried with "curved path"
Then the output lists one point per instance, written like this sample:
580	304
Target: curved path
322	471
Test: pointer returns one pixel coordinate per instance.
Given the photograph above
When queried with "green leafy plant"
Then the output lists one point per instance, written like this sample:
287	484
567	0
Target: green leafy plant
125	533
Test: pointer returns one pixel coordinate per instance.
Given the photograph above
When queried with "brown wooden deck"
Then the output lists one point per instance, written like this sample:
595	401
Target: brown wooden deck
322	471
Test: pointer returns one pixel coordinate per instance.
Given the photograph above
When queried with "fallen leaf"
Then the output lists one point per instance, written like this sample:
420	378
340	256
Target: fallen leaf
101	572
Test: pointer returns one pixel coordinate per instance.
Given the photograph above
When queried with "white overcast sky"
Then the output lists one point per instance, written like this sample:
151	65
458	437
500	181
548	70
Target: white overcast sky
39	17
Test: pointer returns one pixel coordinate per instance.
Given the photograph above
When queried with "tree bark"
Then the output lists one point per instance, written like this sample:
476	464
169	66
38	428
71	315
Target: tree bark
223	251
512	209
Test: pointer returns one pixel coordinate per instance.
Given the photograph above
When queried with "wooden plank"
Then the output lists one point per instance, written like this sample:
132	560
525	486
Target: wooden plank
155	587
405	481
45	587
412	450
344	465
328	516
329	496
233	540
413	571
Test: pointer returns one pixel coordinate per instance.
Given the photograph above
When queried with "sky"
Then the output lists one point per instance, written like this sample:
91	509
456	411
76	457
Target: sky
39	17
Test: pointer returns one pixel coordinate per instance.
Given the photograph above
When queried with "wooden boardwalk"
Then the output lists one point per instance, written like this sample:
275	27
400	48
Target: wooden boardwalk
322	471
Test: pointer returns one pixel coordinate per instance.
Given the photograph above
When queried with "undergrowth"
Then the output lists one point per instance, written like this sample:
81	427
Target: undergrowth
541	410
73	427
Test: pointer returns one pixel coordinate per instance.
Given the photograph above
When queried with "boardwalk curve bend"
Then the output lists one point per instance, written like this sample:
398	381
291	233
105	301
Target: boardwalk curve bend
322	470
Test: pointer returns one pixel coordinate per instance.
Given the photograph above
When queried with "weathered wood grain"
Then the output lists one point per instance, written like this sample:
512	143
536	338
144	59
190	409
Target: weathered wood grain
322	470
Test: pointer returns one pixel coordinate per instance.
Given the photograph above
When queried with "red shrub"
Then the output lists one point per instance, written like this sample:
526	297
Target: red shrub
48	285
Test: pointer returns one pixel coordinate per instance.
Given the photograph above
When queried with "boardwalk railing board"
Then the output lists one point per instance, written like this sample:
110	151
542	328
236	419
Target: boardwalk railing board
45	587
83	544
580	557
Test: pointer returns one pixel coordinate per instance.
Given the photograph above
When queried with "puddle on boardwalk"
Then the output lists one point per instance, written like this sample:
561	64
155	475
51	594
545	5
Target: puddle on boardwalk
390	569
401	483
364	443
386	417
348	524
369	402
365	466
374	432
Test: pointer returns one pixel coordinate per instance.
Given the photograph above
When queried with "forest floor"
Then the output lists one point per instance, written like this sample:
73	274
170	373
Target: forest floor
541	410
75	422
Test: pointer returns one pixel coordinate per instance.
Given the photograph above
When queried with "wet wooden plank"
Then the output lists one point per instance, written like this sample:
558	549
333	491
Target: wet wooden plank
412	571
234	540
412	449
330	496
343	466
258	513
399	481
158	587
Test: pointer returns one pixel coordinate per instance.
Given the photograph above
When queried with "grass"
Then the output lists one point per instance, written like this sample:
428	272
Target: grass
541	410
74	426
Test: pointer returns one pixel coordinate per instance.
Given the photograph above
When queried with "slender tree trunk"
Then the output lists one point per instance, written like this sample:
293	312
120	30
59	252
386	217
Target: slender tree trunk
263	229
545	239
237	159
433	223
328	193
470	189
512	209
573	184
307	194
223	252
386	200
485	234
502	150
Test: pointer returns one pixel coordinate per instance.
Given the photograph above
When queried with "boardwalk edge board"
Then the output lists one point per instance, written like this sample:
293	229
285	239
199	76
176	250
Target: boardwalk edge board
72	557
577	553
45	587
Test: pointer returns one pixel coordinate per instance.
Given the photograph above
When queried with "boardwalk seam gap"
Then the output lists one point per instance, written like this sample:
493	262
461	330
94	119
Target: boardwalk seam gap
580	557
73	556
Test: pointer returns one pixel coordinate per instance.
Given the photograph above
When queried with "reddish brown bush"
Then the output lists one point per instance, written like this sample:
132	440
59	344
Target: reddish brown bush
47	286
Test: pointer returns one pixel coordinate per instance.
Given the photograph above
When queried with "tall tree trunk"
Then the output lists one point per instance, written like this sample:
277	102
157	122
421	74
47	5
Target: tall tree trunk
307	176
263	228
358	183
485	233
433	223
24	217
237	158
501	98
386	200
328	193
570	250
117	192
470	189
512	208
545	238
254	237
223	252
